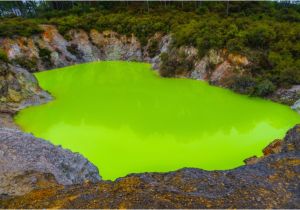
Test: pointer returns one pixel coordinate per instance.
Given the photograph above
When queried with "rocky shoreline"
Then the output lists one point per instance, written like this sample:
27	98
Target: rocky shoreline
51	50
271	182
36	174
21	152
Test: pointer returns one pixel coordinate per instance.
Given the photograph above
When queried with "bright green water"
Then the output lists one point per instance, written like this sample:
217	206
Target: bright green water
124	118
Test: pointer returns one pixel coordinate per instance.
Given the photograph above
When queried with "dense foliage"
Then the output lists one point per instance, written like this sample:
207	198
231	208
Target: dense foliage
268	33
3	56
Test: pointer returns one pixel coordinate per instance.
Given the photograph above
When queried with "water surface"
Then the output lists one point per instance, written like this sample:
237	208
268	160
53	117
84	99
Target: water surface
124	118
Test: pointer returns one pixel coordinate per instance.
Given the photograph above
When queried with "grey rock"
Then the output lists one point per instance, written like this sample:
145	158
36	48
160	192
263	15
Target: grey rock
24	152
163	47
292	140
19	89
289	96
296	106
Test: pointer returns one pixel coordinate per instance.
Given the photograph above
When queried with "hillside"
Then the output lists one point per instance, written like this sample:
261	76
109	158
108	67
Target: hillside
266	33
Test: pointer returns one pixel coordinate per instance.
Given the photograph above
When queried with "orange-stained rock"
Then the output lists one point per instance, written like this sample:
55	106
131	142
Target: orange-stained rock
251	160
273	148
237	59
222	71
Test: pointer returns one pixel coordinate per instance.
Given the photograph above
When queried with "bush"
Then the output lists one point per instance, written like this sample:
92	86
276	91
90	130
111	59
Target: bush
243	84
264	88
10	27
153	48
45	55
259	36
3	56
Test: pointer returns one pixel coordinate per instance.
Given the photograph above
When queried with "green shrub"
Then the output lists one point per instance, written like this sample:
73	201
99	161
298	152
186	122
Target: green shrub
243	84
3	56
10	27
153	48
259	36
264	88
45	55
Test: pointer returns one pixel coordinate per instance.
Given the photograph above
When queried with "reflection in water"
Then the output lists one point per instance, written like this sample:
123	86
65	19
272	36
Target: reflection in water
124	118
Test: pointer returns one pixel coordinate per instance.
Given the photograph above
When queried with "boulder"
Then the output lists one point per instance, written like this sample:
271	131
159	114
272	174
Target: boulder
19	89
21	152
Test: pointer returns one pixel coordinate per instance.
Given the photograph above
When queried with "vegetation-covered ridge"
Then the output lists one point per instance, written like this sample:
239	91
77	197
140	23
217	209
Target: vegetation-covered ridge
268	33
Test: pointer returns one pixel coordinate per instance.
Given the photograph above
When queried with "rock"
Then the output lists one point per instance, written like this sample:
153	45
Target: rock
273	148
296	106
19	89
215	57
163	47
20	47
23	152
13	95
80	39
201	69
56	43
292	140
251	160
221	73
116	47
272	182
238	60
287	96
6	120
21	182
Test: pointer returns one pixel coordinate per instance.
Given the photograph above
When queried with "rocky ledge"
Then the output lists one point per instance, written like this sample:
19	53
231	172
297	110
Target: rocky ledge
271	181
18	89
22	155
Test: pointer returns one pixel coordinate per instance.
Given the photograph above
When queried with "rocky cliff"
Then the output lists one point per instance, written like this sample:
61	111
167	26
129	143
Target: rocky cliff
271	182
52	50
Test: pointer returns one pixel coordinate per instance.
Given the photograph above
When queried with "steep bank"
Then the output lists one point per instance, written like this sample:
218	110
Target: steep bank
268	182
52	50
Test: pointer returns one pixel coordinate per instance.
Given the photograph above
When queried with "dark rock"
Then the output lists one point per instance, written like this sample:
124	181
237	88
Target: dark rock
292	140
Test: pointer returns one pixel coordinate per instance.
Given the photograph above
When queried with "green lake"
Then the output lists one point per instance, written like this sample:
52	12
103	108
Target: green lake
126	119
